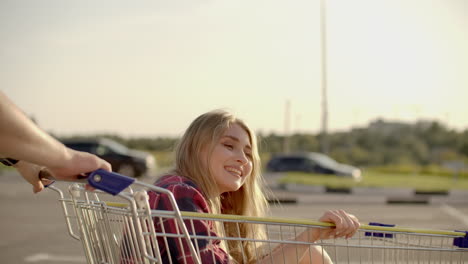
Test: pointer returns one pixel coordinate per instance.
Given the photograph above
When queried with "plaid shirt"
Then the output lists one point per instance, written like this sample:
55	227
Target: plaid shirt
189	198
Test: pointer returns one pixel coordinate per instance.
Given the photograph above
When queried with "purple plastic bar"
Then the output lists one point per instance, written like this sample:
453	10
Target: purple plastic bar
378	234
109	182
461	242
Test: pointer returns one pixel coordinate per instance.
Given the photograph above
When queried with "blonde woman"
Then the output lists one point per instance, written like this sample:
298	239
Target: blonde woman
217	170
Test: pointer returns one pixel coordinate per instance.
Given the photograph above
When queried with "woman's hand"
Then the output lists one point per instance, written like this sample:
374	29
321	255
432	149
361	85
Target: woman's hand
346	225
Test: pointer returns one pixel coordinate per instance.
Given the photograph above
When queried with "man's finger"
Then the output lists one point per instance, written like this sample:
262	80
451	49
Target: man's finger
37	187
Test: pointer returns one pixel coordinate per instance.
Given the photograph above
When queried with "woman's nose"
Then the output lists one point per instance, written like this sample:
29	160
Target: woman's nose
242	158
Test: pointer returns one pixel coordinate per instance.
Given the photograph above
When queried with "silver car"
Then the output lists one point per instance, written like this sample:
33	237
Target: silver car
312	162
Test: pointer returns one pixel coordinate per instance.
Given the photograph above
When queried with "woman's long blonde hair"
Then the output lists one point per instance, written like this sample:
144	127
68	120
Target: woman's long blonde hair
201	137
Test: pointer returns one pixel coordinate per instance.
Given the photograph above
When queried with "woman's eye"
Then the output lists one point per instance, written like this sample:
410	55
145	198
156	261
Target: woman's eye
229	146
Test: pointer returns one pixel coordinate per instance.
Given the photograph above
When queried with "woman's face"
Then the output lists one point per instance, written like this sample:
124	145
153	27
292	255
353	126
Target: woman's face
231	160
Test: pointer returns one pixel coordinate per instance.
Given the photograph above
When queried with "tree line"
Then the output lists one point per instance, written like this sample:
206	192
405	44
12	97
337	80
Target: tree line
380	143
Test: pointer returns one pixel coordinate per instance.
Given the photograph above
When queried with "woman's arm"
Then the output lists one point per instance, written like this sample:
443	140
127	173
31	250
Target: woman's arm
298	253
346	225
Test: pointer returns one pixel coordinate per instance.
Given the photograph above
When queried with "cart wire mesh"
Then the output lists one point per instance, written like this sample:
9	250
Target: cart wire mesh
125	231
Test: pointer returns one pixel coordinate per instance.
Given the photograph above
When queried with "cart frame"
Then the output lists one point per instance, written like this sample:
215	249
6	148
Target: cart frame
122	230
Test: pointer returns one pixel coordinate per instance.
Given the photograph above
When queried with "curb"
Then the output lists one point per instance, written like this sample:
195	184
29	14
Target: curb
396	196
408	200
277	201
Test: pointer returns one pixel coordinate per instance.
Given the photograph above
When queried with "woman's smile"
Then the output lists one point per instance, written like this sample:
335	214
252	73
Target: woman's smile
234	171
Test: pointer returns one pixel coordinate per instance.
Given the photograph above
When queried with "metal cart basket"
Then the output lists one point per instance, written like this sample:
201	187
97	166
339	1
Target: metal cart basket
118	226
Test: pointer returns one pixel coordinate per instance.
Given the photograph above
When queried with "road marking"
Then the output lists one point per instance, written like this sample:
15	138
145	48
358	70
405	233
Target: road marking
455	213
44	257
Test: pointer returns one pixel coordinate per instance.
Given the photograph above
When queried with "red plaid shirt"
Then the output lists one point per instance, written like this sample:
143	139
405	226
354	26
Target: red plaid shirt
189	198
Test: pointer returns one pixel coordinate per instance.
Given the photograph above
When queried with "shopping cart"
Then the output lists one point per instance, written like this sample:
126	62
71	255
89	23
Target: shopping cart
116	225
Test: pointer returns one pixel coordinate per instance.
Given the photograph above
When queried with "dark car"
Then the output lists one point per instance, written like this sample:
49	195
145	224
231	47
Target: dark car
125	161
312	162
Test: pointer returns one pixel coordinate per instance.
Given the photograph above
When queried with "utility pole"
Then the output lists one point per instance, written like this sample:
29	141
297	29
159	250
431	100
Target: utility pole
287	121
324	132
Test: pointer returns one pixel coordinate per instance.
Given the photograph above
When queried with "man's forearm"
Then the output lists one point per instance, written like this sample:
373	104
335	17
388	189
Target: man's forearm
21	139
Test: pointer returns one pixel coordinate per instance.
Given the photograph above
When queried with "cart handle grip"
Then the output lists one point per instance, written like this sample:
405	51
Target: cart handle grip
109	182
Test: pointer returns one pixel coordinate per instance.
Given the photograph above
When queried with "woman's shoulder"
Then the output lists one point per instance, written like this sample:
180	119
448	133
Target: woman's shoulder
185	192
171	180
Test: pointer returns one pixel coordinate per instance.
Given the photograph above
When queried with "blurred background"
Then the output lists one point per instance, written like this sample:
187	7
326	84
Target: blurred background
375	84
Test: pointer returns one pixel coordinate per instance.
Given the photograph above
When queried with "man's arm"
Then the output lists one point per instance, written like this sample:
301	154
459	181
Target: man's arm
21	139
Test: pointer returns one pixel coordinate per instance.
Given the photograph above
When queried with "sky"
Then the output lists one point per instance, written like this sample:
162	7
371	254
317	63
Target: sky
148	68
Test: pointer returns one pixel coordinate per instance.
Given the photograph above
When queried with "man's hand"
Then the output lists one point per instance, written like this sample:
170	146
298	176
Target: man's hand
77	165
30	173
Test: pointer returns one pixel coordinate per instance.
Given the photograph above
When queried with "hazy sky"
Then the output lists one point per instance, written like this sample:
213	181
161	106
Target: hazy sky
150	67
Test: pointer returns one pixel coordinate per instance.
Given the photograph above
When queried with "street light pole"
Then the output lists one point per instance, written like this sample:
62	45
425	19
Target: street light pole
324	133
287	122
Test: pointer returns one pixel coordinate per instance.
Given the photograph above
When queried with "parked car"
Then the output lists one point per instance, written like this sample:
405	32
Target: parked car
312	162
129	162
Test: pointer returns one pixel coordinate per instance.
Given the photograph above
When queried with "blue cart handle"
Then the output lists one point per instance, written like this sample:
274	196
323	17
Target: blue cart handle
109	182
